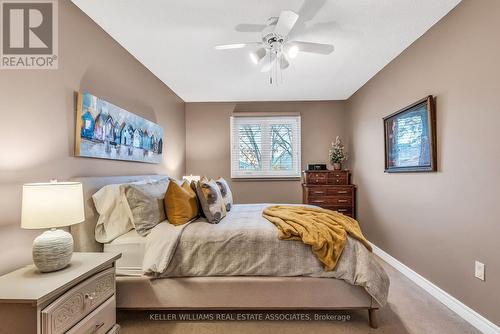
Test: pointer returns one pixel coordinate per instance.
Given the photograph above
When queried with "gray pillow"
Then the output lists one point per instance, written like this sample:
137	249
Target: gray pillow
146	204
227	195
211	200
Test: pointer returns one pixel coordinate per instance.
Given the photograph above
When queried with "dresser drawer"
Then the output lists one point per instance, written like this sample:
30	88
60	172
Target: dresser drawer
114	330
317	191
75	304
321	191
338	179
319	201
331	201
317	178
340	191
348	211
99	321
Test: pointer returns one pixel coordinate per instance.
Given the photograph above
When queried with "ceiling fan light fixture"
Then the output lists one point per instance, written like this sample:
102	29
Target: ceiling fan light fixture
284	63
257	55
277	47
293	51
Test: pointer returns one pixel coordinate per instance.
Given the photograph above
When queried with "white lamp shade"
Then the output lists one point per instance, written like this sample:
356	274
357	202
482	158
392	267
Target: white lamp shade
49	205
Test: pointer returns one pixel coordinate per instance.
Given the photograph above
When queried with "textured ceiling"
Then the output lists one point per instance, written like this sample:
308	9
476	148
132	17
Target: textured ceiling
174	39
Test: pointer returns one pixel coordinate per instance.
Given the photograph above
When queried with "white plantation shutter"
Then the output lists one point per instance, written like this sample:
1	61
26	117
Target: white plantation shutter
265	146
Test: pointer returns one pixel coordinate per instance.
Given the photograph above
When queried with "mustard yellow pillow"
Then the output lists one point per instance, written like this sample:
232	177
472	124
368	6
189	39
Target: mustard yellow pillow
180	203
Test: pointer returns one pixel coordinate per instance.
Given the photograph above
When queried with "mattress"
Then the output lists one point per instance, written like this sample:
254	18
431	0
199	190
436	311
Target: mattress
131	245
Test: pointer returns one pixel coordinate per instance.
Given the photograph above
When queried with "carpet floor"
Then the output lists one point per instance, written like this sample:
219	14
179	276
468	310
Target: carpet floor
410	310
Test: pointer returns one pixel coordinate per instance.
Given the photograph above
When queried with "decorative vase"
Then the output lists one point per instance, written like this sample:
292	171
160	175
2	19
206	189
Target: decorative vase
337	166
52	250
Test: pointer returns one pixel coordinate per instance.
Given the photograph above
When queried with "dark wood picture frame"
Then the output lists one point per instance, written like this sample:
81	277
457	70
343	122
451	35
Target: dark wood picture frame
430	130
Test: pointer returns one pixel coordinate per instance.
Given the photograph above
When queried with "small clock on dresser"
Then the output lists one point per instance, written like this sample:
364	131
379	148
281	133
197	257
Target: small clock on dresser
330	189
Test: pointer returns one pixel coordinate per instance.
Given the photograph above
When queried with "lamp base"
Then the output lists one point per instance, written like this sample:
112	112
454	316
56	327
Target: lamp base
52	250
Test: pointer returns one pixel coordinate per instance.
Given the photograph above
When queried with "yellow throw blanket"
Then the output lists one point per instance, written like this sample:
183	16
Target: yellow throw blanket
325	230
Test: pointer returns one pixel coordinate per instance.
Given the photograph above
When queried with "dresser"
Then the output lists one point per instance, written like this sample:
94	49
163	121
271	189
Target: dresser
330	189
77	299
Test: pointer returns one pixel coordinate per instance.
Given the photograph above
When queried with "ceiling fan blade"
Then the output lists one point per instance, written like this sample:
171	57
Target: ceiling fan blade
307	12
244	27
235	46
286	22
324	49
310	8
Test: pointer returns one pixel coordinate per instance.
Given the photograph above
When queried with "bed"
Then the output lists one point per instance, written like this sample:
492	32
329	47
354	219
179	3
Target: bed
136	291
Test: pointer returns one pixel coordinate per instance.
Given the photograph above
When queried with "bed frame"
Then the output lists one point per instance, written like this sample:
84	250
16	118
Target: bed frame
218	293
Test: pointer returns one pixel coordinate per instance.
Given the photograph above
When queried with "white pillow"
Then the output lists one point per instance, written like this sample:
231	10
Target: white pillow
112	206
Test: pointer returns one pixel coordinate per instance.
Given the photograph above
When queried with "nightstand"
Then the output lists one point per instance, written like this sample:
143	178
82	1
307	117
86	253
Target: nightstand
77	299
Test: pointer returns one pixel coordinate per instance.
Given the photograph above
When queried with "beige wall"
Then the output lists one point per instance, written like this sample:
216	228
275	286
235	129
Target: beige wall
436	223
37	120
439	223
208	143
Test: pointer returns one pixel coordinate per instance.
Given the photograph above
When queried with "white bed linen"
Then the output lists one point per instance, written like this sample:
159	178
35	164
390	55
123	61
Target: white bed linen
131	245
244	243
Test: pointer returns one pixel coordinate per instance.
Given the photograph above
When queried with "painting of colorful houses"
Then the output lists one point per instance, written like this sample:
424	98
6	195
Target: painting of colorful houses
106	131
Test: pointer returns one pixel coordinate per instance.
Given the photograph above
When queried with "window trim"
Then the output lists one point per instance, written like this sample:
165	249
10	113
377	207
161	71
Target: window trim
260	175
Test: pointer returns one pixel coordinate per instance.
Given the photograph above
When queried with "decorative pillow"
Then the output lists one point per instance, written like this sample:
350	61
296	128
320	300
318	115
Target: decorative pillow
211	200
225	191
194	184
112	207
181	203
145	203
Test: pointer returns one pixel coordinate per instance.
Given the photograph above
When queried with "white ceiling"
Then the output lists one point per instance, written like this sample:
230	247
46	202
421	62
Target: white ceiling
175	38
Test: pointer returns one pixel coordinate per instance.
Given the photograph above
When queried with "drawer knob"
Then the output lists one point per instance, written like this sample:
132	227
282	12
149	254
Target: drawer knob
342	210
319	192
90	296
342	200
341	192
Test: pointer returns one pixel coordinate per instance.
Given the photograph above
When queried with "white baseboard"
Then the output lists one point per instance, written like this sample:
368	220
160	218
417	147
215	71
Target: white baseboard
465	312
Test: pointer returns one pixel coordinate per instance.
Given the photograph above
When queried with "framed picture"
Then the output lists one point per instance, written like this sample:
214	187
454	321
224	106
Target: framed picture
106	131
410	138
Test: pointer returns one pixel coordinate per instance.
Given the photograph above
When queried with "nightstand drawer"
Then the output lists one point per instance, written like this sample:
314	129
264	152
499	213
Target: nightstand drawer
114	330
100	321
75	304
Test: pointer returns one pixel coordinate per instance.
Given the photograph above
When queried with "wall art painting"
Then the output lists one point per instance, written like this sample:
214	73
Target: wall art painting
106	131
410	138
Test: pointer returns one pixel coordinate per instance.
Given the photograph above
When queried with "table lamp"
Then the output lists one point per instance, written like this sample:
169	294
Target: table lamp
47	206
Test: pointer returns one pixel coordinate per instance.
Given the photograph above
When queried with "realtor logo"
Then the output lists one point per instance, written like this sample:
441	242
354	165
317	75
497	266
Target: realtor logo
28	34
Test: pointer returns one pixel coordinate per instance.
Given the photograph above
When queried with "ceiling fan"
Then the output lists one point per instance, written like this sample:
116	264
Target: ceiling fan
276	45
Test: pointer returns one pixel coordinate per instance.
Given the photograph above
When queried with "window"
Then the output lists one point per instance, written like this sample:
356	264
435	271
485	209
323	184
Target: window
265	147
